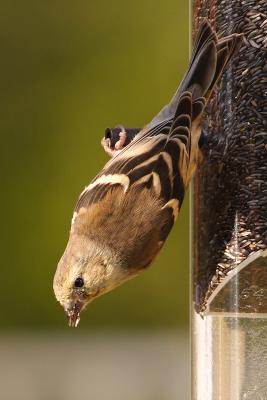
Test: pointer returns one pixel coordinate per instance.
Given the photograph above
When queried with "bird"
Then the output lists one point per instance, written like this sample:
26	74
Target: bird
124	216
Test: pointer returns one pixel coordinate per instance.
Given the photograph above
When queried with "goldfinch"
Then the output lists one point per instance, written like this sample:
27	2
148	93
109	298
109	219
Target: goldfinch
122	219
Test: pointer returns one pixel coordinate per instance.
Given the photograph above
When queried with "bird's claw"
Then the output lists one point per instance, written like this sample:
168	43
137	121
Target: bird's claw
112	151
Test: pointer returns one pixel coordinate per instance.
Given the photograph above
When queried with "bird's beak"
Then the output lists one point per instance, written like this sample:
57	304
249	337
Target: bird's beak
73	310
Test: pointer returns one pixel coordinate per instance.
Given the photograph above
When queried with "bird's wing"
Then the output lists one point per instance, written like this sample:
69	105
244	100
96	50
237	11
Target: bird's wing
158	162
163	155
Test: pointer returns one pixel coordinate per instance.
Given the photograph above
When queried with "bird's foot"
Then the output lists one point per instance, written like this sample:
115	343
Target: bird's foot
109	149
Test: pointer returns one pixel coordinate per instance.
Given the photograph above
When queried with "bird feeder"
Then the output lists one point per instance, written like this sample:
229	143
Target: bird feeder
229	216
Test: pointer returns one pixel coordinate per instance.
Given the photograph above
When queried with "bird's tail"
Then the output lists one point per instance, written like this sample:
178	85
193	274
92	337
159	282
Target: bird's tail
209	58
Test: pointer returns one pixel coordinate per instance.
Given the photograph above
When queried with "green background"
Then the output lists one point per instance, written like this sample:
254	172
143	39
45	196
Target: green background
69	70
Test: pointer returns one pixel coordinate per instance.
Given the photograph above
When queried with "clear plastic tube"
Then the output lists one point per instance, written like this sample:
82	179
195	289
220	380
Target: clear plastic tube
229	218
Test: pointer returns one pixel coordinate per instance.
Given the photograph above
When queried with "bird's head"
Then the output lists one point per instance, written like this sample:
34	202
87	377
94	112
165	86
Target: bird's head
86	271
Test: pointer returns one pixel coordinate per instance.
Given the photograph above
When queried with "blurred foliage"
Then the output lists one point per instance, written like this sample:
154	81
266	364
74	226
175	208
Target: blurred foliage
68	71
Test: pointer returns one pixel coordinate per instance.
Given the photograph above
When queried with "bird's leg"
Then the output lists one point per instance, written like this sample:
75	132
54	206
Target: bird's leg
114	150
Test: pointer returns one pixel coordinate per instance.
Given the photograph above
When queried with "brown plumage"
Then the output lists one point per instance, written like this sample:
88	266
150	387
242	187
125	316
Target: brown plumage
122	219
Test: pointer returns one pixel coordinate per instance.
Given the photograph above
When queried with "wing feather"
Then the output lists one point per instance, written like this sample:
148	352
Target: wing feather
162	156
159	162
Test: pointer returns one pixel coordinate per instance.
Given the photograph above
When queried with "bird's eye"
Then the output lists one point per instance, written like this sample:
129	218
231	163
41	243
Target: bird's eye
79	282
